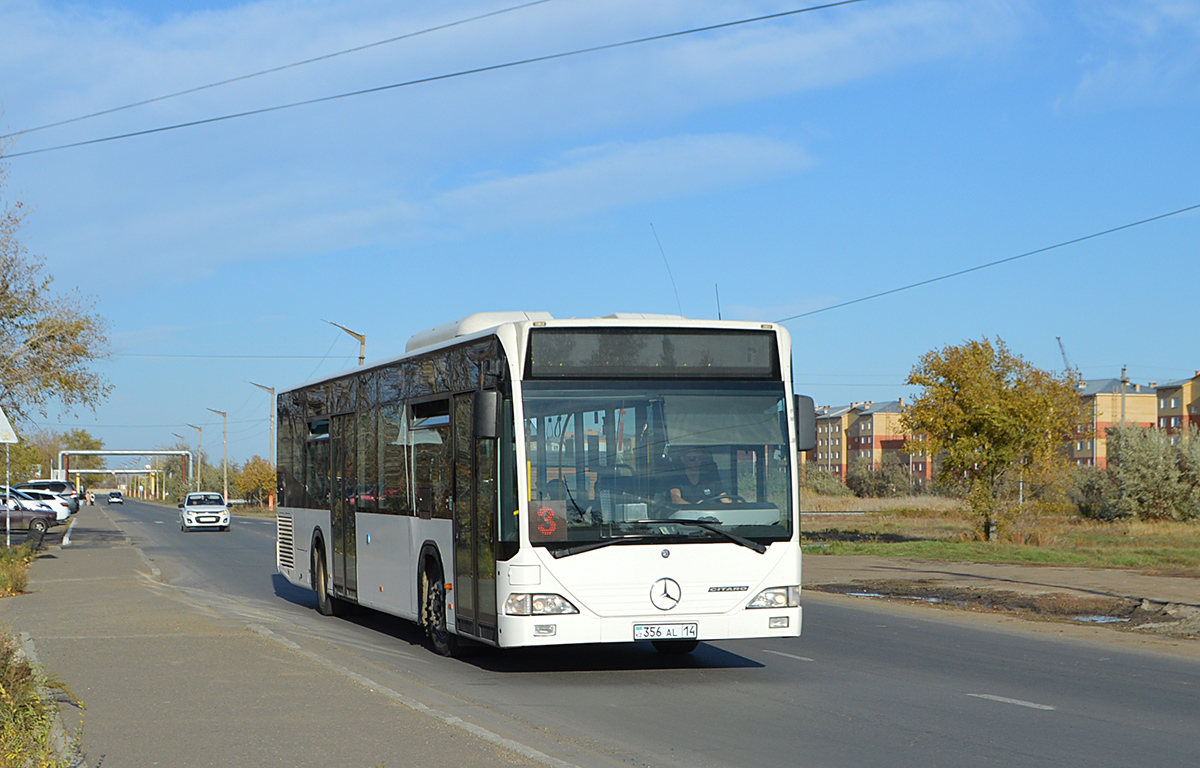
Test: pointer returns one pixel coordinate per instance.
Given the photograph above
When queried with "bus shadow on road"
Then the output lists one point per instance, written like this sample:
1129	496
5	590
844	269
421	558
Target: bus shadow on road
615	657
619	657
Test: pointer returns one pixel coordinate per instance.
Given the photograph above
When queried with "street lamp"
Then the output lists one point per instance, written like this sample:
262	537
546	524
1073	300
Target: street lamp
199	454
362	341
224	447
271	390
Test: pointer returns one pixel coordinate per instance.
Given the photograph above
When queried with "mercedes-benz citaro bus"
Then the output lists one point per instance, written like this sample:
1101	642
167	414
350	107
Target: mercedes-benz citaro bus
517	480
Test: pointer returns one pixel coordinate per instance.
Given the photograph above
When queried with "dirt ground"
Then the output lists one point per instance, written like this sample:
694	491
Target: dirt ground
1141	617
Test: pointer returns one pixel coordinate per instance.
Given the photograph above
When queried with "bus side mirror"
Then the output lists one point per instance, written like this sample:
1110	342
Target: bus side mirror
487	414
806	423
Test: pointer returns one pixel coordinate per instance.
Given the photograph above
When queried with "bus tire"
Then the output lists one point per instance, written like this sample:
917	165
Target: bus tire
327	604
675	647
433	602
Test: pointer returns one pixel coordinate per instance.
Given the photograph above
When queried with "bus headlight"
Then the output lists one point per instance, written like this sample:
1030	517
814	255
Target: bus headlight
538	605
776	597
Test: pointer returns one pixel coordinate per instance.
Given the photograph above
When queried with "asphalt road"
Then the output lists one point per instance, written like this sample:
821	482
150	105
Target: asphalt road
865	685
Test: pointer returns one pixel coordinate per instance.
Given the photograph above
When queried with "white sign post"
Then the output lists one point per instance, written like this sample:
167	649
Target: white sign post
7	436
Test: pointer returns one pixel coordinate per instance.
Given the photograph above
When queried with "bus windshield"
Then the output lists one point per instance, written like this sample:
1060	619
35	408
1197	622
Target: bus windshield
658	461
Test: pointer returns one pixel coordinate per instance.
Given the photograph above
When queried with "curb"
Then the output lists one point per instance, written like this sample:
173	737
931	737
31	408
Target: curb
64	747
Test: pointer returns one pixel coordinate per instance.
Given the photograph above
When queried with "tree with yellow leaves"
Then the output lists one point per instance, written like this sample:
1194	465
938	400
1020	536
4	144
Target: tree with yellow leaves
990	417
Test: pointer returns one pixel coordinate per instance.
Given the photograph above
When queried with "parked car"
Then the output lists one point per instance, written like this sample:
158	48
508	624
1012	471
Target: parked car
64	488
60	505
203	509
115	497
27	514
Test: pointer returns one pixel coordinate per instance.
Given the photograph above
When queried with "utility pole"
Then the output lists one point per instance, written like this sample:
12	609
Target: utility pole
362	341
1124	383
224	448
274	470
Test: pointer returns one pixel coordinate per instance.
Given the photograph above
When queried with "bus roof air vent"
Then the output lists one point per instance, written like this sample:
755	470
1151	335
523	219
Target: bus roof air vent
470	324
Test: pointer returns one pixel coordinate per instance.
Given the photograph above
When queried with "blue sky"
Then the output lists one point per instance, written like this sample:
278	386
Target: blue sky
793	164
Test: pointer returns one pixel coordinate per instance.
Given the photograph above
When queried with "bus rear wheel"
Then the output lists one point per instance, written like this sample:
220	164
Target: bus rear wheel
433	590
675	647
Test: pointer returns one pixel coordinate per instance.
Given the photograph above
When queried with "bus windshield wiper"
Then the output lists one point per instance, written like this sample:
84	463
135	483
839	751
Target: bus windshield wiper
759	548
568	551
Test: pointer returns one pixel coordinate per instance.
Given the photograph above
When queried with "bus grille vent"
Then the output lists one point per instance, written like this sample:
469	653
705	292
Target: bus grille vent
286	547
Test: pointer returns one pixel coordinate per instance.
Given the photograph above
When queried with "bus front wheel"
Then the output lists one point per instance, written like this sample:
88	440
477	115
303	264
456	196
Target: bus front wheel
434	601
327	604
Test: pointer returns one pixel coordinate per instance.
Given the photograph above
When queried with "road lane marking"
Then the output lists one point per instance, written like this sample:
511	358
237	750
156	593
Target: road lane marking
159	522
67	536
1006	700
790	656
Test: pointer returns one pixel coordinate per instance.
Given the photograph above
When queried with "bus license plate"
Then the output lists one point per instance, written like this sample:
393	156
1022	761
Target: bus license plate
664	632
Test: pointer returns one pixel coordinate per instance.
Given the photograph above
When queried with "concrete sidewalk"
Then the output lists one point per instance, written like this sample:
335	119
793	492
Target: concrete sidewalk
169	682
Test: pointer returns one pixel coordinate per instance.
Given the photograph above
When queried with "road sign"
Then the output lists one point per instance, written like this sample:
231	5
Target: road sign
7	434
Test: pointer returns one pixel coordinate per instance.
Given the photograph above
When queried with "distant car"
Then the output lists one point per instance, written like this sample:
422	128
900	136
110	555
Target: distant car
115	497
203	509
28	514
61	506
64	488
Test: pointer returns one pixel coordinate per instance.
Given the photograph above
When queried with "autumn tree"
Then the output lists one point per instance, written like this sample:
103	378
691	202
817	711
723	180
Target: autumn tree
47	340
993	419
255	480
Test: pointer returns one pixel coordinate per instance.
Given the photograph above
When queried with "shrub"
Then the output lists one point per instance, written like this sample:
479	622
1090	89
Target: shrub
1097	495
1157	473
822	482
14	569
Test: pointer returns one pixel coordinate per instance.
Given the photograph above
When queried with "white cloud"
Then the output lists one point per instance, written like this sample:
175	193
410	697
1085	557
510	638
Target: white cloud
410	163
594	179
1141	50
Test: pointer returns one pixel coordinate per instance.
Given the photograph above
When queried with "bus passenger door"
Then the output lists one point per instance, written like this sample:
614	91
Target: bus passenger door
343	486
474	525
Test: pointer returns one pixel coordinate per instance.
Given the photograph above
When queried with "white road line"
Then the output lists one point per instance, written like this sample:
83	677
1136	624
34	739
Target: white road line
67	536
1006	700
790	656
159	522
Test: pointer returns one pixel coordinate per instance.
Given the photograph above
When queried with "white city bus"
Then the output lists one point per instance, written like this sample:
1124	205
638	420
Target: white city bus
518	480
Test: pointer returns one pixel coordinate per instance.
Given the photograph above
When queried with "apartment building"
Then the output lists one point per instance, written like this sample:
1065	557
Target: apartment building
830	453
1179	404
865	430
1107	406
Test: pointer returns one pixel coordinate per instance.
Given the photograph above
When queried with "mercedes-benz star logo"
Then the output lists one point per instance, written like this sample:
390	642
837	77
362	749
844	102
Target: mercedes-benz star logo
665	594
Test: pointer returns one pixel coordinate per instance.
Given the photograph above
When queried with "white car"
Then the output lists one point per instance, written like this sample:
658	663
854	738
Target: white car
61	507
203	509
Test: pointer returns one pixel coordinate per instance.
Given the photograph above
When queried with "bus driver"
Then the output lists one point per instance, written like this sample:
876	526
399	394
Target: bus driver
698	481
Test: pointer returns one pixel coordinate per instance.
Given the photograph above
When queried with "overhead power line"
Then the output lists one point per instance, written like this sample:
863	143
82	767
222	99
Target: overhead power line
280	68
437	78
961	272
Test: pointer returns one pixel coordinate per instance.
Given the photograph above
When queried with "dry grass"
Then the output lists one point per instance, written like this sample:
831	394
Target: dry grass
936	528
14	569
26	713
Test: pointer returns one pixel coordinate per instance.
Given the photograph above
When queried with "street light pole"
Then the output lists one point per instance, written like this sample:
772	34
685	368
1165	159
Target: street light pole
224	448
199	454
362	341
274	470
183	441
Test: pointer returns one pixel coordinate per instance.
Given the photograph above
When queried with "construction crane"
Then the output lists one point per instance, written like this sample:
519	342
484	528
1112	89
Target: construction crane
1067	363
